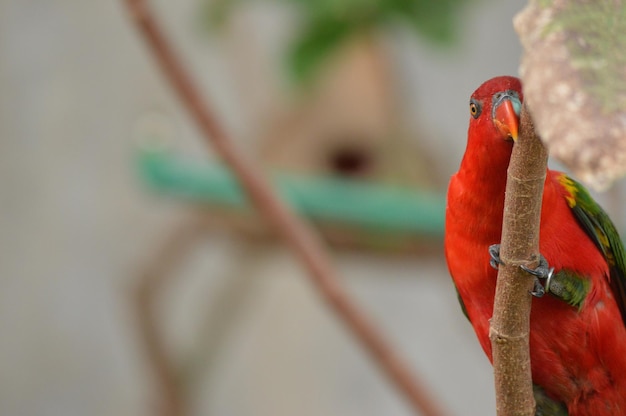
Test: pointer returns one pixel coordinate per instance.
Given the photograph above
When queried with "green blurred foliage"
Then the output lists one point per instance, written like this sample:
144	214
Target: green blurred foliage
327	24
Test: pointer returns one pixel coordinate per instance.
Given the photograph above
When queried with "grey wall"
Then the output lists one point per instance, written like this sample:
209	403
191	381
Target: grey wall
77	226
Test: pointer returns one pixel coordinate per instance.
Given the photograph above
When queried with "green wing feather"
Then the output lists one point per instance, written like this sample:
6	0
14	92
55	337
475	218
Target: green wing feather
545	405
600	228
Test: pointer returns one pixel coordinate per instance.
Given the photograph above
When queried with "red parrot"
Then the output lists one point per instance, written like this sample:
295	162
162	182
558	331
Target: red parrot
578	314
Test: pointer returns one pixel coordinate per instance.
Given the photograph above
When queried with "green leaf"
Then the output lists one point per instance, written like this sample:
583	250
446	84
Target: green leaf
315	44
214	13
328	23
434	20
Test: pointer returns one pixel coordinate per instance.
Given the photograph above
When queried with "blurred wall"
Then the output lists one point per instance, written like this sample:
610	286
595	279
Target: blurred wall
77	226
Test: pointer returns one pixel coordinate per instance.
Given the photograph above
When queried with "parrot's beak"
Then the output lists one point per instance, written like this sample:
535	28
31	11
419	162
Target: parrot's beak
506	116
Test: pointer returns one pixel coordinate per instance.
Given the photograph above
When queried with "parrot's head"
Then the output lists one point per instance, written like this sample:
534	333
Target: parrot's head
495	108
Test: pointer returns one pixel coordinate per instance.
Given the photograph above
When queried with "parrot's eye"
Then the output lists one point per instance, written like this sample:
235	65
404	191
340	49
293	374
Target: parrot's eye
475	108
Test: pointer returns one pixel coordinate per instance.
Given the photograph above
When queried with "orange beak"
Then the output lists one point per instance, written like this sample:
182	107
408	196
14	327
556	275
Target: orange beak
506	118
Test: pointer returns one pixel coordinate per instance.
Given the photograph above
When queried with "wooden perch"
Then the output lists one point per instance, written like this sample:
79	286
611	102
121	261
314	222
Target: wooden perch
295	231
510	325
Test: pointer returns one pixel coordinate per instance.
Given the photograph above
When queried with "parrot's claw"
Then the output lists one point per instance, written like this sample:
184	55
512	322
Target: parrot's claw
542	271
494	253
538	289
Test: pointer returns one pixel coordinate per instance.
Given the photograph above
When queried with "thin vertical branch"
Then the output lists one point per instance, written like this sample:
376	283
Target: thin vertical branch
510	325
295	232
156	274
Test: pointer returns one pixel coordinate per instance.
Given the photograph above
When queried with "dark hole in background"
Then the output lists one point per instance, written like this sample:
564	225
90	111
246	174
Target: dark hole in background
351	161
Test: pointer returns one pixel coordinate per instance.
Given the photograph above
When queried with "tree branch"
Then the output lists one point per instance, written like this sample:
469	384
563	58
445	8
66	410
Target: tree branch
153	277
296	233
576	84
510	324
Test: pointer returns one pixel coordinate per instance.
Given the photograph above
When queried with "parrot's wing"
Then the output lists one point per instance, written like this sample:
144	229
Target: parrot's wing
600	228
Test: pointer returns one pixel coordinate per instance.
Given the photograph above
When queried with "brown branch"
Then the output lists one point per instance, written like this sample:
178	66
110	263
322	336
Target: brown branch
296	233
510	325
154	276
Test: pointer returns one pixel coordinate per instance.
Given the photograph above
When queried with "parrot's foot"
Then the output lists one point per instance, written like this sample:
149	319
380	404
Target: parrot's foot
542	271
538	289
494	253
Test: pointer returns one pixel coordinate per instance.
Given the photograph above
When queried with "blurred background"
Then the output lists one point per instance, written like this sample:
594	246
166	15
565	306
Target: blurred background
130	276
